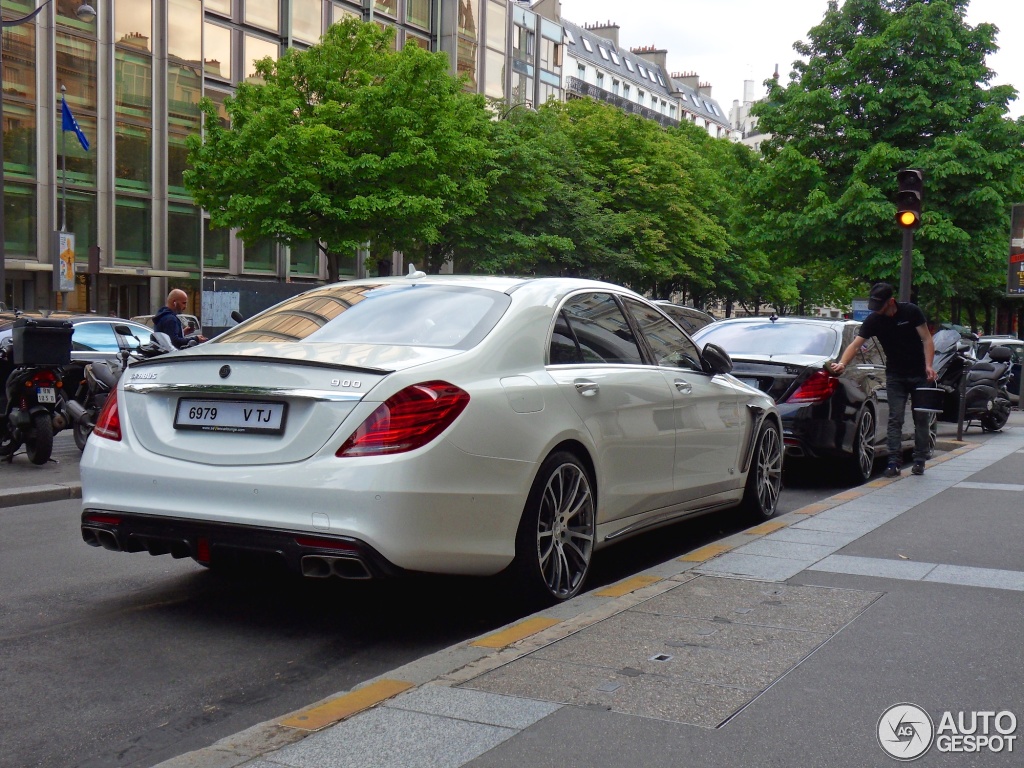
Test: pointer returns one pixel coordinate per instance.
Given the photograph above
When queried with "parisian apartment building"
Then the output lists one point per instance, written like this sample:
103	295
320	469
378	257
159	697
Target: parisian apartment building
134	75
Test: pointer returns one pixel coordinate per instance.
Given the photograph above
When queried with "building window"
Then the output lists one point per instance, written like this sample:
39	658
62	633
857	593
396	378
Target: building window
494	69
260	256
587	45
183	232
184	20
616	86
257	48
305	259
263	13
133	234
497	20
417	13
604	53
387	7
581	72
466	64
600	80
307	18
184	88
133	24
20	220
216	247
217	51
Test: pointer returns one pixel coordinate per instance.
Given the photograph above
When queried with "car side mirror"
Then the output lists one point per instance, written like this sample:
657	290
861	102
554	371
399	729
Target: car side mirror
715	360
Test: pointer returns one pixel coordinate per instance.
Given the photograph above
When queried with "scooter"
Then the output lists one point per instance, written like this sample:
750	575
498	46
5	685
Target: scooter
101	377
984	383
33	402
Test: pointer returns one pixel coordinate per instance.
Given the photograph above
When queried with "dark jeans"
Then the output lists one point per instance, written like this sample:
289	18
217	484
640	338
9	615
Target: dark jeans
899	389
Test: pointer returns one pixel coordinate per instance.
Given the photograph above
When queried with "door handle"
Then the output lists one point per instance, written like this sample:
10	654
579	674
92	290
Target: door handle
683	387
586	387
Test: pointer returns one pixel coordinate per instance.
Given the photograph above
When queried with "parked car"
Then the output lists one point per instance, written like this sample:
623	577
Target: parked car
187	321
824	417
689	319
441	424
94	337
1016	346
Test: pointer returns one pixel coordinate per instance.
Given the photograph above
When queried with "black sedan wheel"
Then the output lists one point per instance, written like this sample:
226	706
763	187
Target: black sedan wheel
764	480
555	542
863	460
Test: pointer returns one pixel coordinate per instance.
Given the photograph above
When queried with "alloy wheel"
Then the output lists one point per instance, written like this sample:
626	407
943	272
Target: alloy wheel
565	530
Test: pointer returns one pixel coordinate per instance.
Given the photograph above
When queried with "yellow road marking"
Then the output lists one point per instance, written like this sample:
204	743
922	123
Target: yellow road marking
627	586
813	509
769	527
856	493
315	718
515	632
705	553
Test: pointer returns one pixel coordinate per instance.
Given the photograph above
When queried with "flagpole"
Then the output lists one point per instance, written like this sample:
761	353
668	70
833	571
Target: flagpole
64	167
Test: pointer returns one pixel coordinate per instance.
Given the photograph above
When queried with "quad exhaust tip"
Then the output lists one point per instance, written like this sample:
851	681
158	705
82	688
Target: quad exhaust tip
325	566
100	537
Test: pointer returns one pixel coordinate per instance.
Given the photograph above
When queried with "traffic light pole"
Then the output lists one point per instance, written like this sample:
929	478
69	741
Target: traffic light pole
907	266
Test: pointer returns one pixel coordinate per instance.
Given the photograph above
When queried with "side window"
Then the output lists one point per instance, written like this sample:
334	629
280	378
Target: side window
93	337
564	350
144	335
601	329
671	348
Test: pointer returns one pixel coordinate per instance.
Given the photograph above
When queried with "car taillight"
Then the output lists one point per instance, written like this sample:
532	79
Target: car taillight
816	389
108	424
407	420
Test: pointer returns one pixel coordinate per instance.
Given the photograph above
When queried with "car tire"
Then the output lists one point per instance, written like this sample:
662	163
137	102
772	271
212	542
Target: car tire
555	540
764	478
862	463
39	442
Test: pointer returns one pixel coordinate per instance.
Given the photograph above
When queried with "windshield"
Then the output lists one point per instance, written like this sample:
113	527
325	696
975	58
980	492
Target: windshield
768	338
404	315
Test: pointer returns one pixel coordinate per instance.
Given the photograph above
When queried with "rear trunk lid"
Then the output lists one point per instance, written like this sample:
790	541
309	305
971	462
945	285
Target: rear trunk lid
776	375
246	404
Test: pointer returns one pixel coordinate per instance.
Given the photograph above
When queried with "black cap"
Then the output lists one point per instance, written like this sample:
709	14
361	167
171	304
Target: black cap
879	296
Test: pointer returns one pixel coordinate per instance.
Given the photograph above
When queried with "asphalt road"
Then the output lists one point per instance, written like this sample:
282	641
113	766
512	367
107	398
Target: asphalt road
127	660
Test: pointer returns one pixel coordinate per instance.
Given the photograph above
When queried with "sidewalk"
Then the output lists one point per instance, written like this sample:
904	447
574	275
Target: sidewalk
779	646
22	482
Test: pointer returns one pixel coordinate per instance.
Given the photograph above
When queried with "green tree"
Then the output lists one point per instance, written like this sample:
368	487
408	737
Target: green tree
344	143
884	85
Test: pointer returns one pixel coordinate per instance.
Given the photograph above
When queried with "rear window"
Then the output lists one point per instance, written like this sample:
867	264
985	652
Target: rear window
402	315
769	338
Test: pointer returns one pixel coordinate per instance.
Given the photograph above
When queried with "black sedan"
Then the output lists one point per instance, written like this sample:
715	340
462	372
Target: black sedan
825	417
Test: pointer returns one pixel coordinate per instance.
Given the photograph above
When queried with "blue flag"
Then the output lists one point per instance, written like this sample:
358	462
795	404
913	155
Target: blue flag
70	124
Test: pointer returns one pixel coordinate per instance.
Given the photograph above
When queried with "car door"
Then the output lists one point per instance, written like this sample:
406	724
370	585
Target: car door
868	373
711	424
625	403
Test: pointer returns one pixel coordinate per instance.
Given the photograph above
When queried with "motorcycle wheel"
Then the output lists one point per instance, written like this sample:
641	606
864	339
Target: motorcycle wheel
81	432
39	442
995	420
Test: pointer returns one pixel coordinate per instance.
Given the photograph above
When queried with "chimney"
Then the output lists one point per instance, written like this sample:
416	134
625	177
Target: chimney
608	30
656	56
748	91
704	89
689	79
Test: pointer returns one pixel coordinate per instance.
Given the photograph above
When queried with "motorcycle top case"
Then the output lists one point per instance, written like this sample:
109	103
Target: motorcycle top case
40	341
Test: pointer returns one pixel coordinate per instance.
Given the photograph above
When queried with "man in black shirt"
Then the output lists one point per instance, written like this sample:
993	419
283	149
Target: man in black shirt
902	331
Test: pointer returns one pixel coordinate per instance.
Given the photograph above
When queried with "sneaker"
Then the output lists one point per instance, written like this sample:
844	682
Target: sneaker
918	468
893	470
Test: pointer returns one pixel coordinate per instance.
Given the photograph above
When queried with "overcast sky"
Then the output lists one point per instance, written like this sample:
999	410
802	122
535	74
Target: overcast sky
729	41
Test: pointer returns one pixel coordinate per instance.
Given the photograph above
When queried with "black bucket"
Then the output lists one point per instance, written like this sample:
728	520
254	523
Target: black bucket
928	399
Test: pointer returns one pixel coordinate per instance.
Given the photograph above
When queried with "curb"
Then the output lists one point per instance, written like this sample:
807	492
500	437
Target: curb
474	656
37	494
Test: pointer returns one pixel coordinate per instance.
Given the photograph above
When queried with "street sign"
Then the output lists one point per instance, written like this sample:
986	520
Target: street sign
860	309
1015	269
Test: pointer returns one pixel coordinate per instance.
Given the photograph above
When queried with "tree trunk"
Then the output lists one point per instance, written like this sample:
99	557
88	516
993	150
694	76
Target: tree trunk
331	260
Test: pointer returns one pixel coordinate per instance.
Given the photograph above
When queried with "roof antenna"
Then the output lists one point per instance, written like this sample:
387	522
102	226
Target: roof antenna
415	274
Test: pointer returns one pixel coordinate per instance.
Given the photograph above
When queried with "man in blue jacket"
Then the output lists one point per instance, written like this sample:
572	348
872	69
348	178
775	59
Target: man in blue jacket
167	321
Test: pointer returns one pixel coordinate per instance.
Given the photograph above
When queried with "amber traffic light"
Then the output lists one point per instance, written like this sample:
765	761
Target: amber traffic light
908	198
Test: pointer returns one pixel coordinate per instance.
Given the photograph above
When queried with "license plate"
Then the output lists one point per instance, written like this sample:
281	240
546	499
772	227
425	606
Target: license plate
46	395
230	416
750	383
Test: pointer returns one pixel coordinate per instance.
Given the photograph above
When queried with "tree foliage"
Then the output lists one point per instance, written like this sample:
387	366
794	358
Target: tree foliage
885	85
344	143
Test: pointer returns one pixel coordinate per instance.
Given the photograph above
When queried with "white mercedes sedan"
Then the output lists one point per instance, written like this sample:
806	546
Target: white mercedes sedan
458	425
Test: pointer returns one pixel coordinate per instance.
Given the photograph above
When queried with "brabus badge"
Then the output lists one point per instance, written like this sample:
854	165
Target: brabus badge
136	376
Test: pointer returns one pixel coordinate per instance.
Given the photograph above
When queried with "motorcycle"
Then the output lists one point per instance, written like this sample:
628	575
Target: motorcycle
984	382
31	363
100	378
